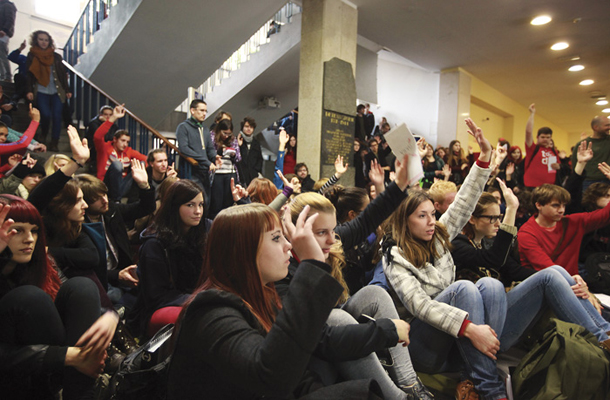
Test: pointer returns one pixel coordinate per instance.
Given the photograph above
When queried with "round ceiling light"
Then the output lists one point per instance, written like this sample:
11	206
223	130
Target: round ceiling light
602	102
541	20
586	82
560	46
606	110
576	67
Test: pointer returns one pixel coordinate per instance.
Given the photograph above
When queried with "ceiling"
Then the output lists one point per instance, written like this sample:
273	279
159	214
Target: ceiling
494	41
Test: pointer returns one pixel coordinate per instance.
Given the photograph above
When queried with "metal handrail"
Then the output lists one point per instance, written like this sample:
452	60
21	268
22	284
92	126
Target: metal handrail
241	55
89	22
134	119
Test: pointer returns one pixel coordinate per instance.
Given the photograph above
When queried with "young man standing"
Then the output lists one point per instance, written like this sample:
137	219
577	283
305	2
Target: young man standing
552	238
114	158
194	141
251	163
541	160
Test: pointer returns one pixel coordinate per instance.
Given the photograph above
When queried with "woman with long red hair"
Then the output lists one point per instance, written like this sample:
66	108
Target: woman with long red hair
48	328
236	339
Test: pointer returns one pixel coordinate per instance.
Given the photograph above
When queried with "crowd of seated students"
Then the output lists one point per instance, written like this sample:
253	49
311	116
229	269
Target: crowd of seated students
291	287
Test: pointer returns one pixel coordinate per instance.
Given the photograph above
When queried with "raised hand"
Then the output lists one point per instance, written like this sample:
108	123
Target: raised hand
283	137
117	113
34	114
509	197
6	230
446	171
376	174
80	150
237	191
510	169
138	172
532	108
584	154
171	171
484	144
402	172
301	235
340	168
422	147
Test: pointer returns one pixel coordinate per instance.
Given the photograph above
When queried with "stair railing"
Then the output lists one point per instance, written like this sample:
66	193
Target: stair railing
89	22
88	99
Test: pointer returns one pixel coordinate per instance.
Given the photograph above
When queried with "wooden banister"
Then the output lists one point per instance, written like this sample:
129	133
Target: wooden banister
135	117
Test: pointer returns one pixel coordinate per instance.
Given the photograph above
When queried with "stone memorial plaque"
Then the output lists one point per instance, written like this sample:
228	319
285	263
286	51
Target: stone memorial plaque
337	137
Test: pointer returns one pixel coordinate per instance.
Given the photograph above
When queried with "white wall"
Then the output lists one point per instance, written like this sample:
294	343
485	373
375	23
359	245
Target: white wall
28	21
407	93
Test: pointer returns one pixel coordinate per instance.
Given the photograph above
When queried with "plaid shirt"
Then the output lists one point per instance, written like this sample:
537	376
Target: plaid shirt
415	287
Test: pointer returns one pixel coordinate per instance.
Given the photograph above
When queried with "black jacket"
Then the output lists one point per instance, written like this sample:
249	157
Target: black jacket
222	350
495	254
251	163
223	353
115	222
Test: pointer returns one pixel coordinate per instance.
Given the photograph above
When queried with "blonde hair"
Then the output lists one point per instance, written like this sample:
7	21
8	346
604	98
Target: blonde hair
439	189
416	251
49	166
336	258
319	183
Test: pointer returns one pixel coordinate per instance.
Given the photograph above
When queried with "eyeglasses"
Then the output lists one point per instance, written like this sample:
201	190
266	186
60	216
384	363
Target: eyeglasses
492	218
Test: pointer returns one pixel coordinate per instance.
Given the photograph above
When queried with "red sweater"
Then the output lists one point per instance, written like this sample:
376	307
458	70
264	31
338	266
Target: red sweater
107	154
20	146
537	244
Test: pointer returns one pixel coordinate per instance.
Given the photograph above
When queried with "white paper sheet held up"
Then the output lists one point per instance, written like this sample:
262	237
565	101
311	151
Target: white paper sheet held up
402	142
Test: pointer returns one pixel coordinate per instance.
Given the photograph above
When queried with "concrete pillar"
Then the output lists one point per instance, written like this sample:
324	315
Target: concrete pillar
454	106
328	32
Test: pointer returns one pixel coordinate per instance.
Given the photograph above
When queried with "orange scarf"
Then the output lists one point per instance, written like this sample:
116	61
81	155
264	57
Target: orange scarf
41	64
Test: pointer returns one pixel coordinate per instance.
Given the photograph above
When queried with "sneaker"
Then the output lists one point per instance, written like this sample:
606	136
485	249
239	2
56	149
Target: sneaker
417	391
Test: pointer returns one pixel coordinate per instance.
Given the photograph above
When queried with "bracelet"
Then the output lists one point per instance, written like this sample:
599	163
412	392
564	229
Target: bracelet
77	163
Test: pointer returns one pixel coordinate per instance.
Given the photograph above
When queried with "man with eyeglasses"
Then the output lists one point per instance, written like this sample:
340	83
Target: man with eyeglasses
552	238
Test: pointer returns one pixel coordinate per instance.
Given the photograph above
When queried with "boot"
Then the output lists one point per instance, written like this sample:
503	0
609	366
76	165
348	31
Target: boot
123	339
54	143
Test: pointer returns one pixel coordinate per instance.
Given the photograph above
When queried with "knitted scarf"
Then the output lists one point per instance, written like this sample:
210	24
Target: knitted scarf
41	64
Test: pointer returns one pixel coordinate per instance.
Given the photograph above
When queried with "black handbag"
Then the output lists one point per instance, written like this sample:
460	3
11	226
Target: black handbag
143	374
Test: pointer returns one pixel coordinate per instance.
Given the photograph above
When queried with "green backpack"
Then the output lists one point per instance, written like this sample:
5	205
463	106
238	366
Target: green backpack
567	363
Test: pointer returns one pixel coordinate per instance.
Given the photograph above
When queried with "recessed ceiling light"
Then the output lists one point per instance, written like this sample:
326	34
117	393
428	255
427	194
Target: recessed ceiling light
541	20
575	68
602	102
606	110
560	46
586	82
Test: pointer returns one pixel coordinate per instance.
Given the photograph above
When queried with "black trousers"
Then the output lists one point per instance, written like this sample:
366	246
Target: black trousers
30	317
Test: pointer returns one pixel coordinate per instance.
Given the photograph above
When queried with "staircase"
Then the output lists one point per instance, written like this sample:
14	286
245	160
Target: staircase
146	53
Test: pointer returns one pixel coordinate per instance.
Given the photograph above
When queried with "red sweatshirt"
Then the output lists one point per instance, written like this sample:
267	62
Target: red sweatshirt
106	153
537	244
20	146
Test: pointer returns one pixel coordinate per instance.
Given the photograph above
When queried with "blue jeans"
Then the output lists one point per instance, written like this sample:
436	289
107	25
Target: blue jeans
50	107
117	184
434	351
550	287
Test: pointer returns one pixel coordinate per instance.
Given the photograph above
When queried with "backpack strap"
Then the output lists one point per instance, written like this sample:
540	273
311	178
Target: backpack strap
564	226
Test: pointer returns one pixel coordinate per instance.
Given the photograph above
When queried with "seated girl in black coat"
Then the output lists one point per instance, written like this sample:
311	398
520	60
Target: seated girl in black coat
171	256
47	331
236	340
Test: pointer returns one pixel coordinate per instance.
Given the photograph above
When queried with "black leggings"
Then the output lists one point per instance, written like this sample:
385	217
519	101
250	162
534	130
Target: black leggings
29	317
